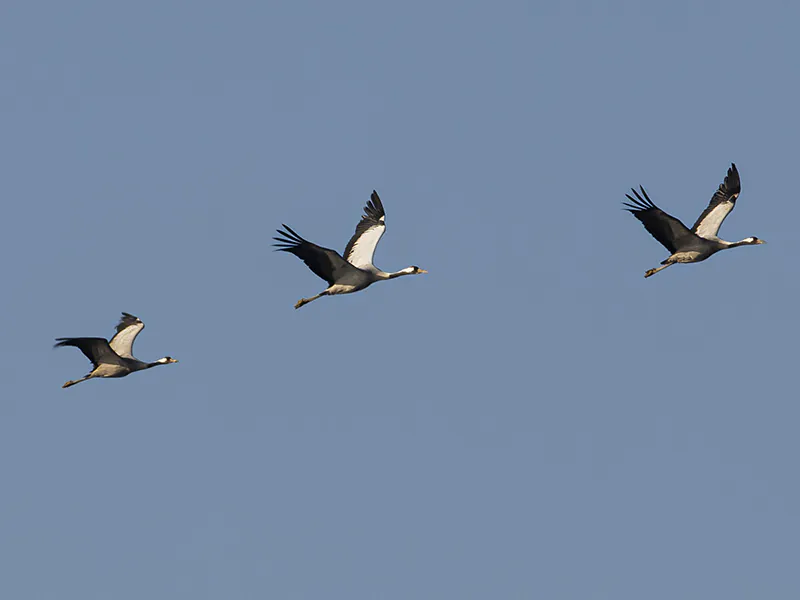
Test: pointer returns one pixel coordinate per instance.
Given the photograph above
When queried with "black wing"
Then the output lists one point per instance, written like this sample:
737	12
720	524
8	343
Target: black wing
665	228
96	350
722	203
361	247
324	262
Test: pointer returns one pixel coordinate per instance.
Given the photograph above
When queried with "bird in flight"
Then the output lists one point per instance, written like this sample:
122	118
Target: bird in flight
355	270
698	243
112	358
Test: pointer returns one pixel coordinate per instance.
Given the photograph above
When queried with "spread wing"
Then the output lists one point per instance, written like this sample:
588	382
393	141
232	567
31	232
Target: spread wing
369	231
324	262
127	330
665	228
722	203
96	350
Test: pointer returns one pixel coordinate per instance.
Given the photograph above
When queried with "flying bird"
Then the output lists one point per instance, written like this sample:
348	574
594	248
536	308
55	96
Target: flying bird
355	270
701	241
112	358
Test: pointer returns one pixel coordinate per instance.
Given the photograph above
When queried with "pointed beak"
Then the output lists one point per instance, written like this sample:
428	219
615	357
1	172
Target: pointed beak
172	360
761	242
422	271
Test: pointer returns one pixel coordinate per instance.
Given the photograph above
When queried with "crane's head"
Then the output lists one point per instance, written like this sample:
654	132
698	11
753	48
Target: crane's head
415	270
753	240
166	360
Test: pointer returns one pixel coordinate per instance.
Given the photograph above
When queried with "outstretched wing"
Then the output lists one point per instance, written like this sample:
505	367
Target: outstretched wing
127	330
369	231
722	203
96	350
324	262
665	228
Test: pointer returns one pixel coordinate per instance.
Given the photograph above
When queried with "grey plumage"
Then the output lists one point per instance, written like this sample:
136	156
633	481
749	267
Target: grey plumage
112	358
353	272
698	243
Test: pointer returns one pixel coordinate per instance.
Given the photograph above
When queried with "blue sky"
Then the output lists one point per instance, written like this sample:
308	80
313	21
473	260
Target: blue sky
532	419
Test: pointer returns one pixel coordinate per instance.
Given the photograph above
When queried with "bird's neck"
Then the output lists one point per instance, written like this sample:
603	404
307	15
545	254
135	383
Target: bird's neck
745	242
400	273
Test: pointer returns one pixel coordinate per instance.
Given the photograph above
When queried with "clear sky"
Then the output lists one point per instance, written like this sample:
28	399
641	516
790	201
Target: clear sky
532	419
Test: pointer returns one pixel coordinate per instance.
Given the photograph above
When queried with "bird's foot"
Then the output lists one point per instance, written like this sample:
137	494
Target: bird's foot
300	303
650	272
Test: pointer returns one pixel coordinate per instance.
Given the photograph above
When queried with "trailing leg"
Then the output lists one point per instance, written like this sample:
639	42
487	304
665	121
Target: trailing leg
654	271
304	301
76	381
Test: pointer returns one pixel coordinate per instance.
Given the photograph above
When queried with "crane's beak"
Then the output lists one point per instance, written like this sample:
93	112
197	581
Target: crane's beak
172	360
761	242
422	271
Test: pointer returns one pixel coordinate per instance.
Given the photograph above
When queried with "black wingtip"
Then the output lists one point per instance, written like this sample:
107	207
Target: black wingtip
374	208
639	201
732	184
292	233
